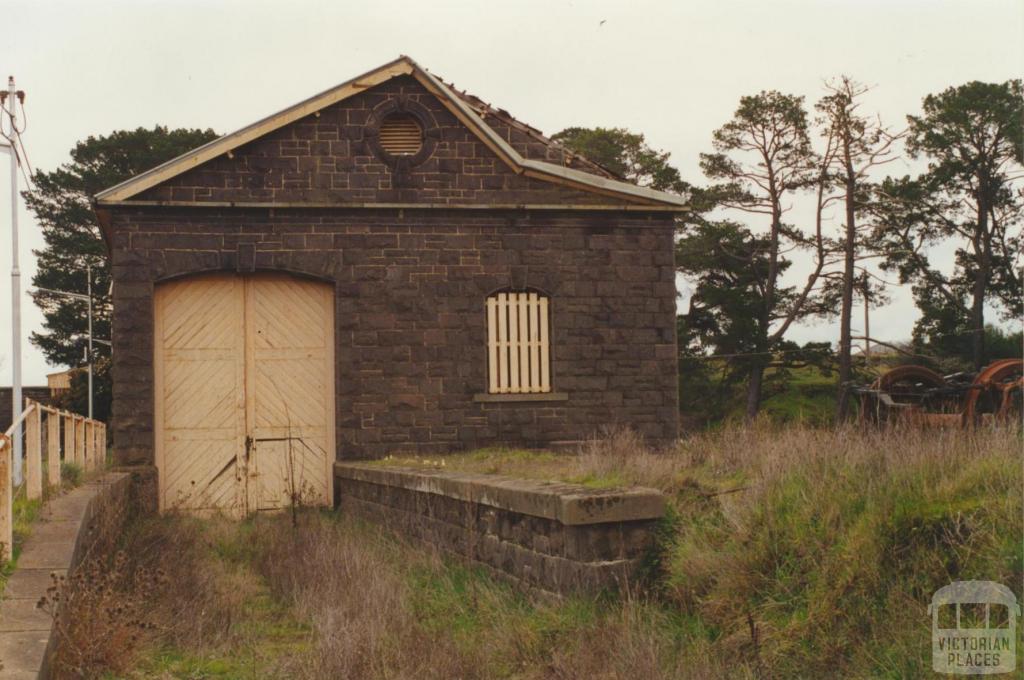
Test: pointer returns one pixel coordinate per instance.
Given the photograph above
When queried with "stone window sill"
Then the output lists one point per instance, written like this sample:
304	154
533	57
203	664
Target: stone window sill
537	396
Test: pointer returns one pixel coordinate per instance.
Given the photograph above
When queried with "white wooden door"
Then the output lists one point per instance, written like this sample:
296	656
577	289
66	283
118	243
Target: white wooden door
244	392
290	392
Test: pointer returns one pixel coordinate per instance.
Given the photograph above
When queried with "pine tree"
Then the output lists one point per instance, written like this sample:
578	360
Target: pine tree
61	200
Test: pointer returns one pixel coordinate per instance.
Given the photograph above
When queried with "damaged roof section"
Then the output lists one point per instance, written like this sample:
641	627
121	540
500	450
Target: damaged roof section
554	151
540	158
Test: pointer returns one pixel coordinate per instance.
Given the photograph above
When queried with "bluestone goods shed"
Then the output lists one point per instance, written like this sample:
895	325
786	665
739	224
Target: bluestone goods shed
390	265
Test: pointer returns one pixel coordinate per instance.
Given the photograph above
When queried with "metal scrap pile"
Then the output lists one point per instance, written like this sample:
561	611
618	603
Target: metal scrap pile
920	396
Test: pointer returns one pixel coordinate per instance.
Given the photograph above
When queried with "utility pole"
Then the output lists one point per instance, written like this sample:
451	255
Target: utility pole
9	98
88	353
88	271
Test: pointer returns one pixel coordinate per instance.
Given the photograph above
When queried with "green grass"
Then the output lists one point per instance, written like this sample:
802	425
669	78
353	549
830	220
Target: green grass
817	537
264	633
806	396
176	663
809	397
509	462
835	557
25	513
512	633
523	463
785	552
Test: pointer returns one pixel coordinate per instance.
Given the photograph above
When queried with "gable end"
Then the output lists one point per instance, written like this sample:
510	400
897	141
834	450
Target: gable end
571	186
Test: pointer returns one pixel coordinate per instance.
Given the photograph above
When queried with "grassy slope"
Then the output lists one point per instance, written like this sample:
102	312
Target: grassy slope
826	544
788	553
809	397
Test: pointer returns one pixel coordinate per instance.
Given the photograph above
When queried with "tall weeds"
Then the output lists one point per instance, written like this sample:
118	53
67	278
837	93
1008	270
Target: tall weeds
344	581
788	552
815	552
162	585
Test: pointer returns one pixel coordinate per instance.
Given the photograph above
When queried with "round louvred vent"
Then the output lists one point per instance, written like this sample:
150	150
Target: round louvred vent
401	135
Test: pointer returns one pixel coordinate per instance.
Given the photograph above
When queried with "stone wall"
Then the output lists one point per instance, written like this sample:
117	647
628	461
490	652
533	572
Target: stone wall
410	289
411	283
328	158
550	536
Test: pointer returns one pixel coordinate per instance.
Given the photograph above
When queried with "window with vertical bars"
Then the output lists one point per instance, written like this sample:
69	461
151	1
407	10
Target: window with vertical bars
518	354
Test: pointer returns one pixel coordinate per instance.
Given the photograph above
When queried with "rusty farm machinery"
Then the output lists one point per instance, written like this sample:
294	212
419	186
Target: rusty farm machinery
920	396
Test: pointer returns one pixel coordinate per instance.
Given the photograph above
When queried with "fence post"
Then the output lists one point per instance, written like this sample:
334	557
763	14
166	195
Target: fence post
90	444
94	438
34	453
69	438
52	448
6	510
101	443
80	442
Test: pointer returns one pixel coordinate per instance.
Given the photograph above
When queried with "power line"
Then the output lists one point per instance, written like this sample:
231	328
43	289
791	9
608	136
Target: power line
24	150
14	144
21	166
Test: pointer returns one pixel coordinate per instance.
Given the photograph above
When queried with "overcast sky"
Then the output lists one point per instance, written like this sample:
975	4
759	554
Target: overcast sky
673	70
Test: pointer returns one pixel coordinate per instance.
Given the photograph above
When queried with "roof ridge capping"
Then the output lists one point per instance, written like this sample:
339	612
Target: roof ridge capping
403	65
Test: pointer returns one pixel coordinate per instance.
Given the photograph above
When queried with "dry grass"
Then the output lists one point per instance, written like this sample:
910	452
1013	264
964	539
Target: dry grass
382	609
792	552
163	584
334	598
344	581
101	616
811	551
816	551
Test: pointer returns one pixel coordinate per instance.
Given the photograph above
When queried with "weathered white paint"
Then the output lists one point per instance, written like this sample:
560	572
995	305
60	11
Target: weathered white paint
244	375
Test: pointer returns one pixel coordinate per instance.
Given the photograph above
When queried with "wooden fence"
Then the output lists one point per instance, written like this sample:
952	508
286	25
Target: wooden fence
85	444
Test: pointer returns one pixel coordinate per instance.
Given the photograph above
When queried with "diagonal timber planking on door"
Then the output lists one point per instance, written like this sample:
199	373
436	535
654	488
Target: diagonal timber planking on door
199	389
244	392
291	385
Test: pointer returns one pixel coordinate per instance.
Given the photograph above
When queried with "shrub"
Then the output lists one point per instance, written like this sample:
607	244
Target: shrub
166	583
101	613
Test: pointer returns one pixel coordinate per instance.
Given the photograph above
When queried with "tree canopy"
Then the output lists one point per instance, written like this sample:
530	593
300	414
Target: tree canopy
626	154
761	157
61	202
969	197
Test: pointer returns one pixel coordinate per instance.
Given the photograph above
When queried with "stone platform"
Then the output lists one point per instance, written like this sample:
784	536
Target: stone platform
550	536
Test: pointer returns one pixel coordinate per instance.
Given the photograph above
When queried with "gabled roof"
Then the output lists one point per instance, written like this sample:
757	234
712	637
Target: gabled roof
577	172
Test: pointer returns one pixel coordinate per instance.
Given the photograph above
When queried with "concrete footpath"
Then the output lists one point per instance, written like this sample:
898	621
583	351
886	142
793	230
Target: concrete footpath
53	547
